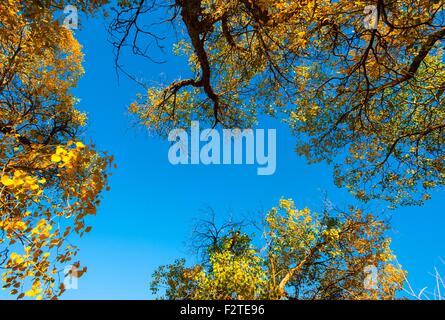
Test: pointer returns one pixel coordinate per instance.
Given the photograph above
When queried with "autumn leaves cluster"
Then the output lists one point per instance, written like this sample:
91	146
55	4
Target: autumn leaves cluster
50	180
370	102
300	255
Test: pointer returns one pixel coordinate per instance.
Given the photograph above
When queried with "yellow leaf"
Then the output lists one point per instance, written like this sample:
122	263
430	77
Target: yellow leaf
18	181
7	181
60	150
56	158
80	145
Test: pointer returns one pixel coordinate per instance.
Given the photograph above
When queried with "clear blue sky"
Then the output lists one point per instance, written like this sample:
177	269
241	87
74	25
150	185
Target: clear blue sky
147	216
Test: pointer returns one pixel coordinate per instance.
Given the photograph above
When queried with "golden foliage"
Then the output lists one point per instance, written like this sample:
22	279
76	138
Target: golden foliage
371	101
305	256
50	181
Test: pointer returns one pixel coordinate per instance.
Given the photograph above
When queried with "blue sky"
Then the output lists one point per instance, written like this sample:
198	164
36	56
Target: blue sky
146	218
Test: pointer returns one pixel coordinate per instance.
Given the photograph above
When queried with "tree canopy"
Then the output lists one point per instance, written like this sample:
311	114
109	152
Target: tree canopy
370	101
301	255
50	180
